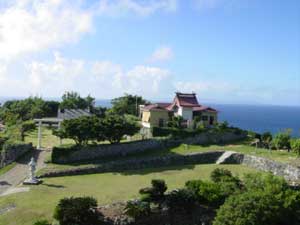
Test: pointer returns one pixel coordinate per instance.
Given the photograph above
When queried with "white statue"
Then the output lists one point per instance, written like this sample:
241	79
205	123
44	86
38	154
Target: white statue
31	178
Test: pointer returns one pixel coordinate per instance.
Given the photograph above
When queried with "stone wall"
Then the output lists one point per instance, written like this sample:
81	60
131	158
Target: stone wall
290	173
61	155
12	152
136	164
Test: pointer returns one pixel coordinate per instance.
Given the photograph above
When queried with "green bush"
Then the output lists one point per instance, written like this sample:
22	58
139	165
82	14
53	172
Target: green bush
181	200
42	222
207	192
282	140
266	138
295	145
266	200
228	183
155	193
137	209
219	174
77	211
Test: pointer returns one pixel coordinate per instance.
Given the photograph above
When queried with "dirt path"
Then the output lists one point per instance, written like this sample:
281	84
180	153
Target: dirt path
18	173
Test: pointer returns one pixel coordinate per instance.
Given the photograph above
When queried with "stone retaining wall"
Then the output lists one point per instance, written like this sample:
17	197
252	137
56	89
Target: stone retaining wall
61	155
13	152
136	164
290	173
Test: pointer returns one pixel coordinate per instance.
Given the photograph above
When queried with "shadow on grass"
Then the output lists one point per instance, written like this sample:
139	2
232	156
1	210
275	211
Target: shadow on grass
53	185
146	171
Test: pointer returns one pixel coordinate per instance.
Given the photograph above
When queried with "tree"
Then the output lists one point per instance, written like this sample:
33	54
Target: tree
266	200
25	127
72	100
266	139
77	211
127	104
82	129
282	140
295	144
27	109
116	126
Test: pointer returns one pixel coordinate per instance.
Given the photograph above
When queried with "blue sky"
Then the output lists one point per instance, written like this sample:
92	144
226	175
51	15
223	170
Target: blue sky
227	51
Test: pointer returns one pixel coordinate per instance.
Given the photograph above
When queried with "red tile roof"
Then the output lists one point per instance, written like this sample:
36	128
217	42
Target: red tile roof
203	108
183	100
186	100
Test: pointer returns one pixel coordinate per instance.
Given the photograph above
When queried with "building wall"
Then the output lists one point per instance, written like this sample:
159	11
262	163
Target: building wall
208	115
186	113
153	117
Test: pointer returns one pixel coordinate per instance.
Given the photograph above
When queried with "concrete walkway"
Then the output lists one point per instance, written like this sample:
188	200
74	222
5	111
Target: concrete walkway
225	156
17	174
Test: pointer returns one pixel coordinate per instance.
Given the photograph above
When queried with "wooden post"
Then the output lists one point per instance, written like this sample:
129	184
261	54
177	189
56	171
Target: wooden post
60	139
39	144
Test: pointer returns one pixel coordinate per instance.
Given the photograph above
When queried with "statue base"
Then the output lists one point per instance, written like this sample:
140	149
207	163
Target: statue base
32	181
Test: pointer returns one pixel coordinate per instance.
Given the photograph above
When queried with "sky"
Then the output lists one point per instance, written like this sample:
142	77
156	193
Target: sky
226	51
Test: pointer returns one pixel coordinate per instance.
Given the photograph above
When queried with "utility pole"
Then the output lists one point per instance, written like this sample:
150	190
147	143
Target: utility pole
136	106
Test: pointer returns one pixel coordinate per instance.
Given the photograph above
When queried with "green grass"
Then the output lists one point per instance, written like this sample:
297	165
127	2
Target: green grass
7	168
48	139
40	201
281	156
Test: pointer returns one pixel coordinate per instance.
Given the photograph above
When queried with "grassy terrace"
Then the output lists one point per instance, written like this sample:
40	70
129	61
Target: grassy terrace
243	147
40	201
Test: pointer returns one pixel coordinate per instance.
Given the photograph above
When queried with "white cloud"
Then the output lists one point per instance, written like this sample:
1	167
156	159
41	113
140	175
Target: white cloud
35	25
58	76
103	79
139	7
162	54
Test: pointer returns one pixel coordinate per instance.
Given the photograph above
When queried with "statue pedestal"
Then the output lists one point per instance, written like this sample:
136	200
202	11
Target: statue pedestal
32	181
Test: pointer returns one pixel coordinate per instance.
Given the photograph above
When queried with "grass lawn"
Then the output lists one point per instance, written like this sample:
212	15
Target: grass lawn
281	156
48	139
40	201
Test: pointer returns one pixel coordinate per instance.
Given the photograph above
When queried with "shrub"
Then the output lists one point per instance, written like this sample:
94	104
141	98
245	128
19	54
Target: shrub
295	145
181	200
219	174
207	192
42	222
154	193
261	182
266	139
267	200
228	183
282	140
137	208
76	211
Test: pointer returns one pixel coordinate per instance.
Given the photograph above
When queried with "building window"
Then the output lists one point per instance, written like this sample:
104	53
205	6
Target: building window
204	118
161	122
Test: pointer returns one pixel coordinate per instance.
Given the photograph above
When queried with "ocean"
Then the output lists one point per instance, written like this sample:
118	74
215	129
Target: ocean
258	118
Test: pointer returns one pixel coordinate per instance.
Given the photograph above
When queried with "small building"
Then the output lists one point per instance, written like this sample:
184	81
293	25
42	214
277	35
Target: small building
185	105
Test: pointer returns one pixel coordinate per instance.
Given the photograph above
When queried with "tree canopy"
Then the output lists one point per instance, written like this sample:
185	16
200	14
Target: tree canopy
72	100
27	109
127	104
